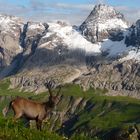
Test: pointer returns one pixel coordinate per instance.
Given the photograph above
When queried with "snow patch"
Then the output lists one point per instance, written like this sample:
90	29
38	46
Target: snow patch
133	54
48	34
114	47
73	39
9	23
112	24
34	26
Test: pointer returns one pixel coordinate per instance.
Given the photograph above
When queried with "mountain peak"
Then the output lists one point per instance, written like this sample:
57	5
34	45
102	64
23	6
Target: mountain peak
102	22
106	11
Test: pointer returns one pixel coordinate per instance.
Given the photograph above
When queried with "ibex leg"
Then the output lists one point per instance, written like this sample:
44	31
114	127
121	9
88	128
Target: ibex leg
38	124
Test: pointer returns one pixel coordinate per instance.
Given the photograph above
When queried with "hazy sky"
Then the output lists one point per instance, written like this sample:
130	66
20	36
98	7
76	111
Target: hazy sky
74	11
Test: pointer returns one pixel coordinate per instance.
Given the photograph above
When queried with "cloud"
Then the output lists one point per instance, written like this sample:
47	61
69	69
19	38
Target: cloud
37	5
131	14
74	6
73	13
76	19
16	10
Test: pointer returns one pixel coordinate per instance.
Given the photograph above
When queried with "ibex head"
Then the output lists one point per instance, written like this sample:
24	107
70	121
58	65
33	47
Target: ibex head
53	99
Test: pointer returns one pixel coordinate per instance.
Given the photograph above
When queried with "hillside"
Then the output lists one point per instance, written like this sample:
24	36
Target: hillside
78	115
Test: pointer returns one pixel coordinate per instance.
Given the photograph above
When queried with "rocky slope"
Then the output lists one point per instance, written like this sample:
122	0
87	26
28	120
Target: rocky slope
119	78
133	36
103	52
10	29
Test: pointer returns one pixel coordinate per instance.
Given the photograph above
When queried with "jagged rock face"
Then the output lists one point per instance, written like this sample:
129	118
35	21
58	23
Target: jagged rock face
104	22
31	35
33	78
17	42
138	27
133	37
10	27
118	78
28	40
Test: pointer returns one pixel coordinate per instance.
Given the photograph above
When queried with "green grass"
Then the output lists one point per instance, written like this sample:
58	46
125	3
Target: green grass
96	94
10	130
117	112
5	91
108	113
77	91
105	118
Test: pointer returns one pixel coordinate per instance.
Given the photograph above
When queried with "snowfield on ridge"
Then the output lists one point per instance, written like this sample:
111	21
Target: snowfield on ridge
74	39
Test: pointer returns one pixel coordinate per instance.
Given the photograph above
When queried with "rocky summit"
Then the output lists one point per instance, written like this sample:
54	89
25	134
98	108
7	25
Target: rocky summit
104	22
103	52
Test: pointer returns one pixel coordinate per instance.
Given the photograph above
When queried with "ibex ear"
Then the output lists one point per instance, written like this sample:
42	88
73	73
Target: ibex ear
49	85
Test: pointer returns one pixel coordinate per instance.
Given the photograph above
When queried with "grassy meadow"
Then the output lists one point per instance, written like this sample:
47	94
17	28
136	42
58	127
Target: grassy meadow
107	114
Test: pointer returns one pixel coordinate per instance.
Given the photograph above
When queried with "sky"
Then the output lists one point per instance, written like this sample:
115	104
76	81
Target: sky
72	11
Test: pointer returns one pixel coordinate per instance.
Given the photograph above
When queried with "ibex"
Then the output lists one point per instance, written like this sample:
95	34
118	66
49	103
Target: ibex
33	110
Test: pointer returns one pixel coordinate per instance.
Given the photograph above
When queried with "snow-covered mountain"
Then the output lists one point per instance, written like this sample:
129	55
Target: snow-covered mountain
10	24
108	28
105	31
71	38
104	22
103	44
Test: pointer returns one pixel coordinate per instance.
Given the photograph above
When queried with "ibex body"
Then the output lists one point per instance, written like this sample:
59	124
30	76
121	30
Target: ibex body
32	110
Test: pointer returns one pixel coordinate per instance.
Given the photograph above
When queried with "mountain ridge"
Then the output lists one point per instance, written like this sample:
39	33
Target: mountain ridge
64	53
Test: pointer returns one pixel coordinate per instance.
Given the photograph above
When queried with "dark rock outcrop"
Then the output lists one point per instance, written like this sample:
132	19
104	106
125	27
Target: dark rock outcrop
133	37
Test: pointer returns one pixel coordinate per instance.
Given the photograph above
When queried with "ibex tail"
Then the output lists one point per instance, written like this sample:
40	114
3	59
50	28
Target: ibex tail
6	109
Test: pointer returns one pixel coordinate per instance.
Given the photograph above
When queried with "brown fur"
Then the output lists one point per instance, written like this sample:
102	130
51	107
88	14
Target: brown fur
32	110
